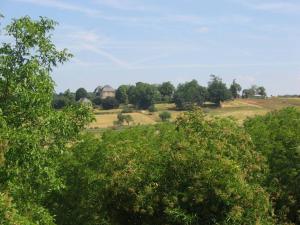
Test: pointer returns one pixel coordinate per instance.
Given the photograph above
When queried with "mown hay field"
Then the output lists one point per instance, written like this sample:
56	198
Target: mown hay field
239	109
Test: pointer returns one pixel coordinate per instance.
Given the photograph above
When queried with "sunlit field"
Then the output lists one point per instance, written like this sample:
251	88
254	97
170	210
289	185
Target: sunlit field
239	109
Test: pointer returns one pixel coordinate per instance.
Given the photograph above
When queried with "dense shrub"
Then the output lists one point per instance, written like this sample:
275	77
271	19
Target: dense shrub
110	103
60	102
165	116
97	101
72	204
198	171
277	136
123	118
152	108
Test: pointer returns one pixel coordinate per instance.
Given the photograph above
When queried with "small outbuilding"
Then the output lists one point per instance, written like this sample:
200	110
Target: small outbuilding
258	97
86	102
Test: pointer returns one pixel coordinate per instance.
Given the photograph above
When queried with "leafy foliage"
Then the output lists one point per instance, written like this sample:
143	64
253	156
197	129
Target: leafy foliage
97	101
61	101
189	94
277	137
166	90
110	103
235	89
217	90
143	95
165	116
36	135
197	170
81	93
188	173
124	118
254	90
152	108
122	94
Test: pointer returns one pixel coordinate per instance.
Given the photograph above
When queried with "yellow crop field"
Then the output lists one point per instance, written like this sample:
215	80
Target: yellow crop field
239	109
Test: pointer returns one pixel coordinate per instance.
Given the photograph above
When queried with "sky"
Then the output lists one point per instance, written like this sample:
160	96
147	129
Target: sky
126	41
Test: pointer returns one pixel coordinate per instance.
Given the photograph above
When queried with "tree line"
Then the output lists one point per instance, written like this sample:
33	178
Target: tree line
144	95
198	170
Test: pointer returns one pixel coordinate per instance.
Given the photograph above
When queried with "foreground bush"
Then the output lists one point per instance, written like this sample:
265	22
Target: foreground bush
197	172
277	137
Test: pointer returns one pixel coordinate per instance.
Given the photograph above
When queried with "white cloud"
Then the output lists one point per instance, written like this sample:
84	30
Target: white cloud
89	37
107	55
79	39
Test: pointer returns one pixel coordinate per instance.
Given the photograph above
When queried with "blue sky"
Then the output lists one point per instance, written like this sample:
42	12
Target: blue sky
124	41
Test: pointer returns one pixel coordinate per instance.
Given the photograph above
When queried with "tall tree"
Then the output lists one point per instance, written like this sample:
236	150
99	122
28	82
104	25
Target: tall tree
81	93
36	135
235	89
69	95
143	95
122	94
166	90
261	91
254	90
217	90
189	94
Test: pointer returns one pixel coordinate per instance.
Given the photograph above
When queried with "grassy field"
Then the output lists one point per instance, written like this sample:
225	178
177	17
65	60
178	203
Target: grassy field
240	109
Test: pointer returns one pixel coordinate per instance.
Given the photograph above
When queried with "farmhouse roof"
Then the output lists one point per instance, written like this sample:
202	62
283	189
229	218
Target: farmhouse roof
107	88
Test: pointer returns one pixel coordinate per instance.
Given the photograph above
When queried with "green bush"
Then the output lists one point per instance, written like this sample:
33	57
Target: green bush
165	116
97	101
110	103
122	118
60	102
188	173
152	108
277	136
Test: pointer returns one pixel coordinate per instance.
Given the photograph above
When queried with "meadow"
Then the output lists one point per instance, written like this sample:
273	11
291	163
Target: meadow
240	109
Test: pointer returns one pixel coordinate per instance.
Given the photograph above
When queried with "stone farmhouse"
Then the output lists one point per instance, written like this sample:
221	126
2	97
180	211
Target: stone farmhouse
104	92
